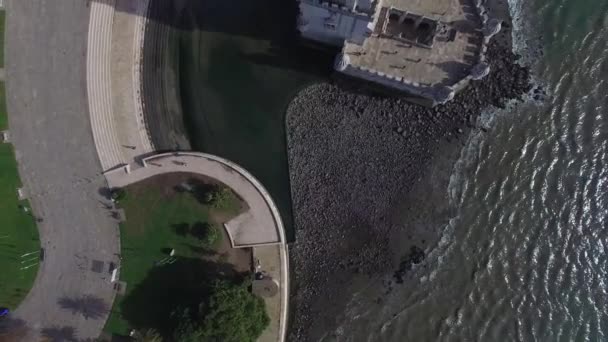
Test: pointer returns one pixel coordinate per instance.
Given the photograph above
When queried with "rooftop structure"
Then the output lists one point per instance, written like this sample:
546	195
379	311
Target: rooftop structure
426	48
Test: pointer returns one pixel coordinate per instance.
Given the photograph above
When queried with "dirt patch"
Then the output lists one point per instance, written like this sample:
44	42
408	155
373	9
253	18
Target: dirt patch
241	258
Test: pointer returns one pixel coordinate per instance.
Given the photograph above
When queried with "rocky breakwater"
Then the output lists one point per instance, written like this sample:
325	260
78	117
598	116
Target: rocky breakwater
353	158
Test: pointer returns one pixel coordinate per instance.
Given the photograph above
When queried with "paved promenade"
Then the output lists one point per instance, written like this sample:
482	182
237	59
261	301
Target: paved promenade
46	45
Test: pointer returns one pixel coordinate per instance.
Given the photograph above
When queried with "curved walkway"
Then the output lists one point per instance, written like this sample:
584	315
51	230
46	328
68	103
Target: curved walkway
46	44
259	227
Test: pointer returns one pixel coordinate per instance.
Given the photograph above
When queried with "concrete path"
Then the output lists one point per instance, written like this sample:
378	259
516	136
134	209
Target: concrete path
273	260
46	44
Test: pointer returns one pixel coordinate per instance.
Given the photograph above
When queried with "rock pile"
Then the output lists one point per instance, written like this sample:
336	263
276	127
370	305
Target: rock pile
352	156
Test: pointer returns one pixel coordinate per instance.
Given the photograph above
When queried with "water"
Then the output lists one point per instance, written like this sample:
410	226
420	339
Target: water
524	258
239	70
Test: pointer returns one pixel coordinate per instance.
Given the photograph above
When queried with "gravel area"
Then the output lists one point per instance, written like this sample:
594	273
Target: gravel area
354	158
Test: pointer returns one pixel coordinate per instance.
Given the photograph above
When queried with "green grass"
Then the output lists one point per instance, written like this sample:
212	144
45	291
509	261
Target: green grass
18	232
2	24
3	115
154	224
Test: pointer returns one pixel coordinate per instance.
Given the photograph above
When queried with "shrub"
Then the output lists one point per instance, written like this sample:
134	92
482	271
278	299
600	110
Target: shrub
217	196
149	335
231	314
208	234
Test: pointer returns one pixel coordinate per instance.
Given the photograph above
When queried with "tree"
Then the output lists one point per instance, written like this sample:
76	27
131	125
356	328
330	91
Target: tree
217	196
231	314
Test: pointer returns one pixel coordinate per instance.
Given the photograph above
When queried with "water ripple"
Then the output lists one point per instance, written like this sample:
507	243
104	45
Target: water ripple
525	256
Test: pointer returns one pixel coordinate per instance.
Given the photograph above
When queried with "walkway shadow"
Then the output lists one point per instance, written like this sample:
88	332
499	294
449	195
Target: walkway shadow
296	57
257	58
88	306
235	17
59	334
12	329
105	193
267	20
169	289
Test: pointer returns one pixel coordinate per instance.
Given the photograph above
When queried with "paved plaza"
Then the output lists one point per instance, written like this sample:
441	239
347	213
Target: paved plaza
50	129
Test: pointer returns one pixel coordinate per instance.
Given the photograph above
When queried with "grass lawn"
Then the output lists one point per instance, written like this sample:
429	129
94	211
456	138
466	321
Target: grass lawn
18	232
159	219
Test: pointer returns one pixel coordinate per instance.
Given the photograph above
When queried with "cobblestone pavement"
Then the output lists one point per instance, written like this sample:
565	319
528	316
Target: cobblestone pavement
49	123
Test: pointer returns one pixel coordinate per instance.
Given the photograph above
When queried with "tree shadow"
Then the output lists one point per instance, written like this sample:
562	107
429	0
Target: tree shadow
88	306
201	190
105	193
235	17
181	229
200	230
171	288
200	250
12	329
60	334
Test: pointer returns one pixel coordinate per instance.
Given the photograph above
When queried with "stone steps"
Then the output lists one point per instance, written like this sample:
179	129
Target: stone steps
99	84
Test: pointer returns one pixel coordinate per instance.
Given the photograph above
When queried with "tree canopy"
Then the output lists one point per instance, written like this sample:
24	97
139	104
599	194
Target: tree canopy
230	314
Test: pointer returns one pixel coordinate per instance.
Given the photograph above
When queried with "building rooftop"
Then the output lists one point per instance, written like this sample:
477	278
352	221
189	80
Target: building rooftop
428	43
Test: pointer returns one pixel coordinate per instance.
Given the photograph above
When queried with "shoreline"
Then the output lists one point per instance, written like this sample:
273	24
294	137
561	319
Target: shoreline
369	182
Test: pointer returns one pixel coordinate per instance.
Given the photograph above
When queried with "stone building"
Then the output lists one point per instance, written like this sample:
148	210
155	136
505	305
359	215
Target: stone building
427	49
